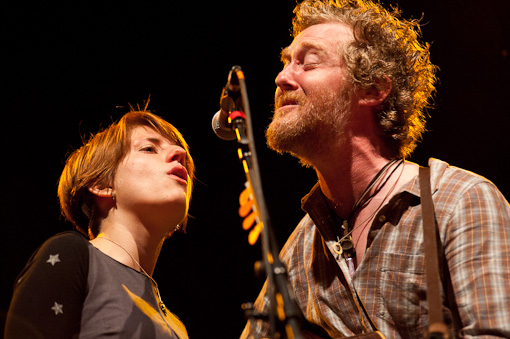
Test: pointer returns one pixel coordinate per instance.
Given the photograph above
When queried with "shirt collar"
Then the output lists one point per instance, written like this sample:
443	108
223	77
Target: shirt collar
315	197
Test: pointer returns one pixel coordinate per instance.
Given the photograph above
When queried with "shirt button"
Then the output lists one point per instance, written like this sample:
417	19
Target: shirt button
382	218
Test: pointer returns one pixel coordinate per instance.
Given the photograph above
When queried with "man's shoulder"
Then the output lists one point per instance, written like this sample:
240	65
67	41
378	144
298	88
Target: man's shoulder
443	174
300	234
452	185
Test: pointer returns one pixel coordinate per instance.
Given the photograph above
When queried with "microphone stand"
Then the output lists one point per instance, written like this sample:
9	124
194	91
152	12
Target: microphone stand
283	308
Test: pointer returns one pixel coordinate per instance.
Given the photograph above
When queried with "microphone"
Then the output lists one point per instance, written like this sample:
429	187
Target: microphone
221	127
230	100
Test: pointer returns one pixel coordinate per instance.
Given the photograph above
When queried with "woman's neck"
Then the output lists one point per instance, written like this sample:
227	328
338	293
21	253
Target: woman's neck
132	248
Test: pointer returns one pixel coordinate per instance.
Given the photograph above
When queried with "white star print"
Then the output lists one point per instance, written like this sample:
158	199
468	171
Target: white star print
53	259
58	308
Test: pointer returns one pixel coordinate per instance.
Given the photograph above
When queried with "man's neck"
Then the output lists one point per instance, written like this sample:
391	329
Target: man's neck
344	185
346	173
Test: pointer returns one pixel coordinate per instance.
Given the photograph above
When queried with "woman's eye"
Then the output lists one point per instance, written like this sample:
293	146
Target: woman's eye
148	149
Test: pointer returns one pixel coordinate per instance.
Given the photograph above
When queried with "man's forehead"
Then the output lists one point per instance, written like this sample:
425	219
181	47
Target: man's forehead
320	36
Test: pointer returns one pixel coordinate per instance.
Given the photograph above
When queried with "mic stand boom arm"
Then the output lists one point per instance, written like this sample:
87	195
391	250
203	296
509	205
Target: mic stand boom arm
283	308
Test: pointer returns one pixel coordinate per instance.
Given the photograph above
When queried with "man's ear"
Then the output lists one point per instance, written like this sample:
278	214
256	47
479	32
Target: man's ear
376	94
102	192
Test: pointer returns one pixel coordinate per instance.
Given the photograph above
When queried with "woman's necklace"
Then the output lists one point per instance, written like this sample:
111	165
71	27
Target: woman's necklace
345	244
153	282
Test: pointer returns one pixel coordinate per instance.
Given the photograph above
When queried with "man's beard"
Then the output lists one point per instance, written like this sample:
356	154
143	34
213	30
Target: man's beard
320	120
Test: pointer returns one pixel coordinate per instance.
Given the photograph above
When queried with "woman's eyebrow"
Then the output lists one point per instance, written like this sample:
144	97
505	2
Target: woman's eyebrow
154	140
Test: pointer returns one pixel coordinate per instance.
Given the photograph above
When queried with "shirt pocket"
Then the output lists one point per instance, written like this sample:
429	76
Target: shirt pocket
401	293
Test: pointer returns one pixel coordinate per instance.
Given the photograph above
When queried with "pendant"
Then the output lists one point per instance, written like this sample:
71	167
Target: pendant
162	307
337	247
347	244
346	241
344	245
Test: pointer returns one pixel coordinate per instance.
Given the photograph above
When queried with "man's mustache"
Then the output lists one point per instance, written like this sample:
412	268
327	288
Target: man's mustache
288	98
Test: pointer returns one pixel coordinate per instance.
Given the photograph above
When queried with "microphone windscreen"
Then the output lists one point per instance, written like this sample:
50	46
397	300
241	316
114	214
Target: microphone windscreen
221	127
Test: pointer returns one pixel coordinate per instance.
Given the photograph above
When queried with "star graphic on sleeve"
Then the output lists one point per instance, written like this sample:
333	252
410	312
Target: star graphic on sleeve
58	308
53	259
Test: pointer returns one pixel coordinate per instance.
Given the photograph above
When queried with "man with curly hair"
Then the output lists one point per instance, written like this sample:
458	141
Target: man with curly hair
350	102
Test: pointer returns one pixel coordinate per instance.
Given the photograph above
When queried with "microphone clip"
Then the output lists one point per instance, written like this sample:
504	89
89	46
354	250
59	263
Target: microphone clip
231	98
226	125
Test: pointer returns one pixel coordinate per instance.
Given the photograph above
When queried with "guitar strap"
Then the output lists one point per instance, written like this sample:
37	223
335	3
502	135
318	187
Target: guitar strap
431	248
437	326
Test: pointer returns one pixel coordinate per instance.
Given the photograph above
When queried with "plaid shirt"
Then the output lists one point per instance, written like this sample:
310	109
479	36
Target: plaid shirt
474	226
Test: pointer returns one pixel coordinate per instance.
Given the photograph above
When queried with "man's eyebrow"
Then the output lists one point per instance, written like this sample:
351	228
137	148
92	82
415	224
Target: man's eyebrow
285	55
308	45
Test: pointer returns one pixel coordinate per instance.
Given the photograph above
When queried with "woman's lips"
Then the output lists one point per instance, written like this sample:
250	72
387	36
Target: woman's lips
180	173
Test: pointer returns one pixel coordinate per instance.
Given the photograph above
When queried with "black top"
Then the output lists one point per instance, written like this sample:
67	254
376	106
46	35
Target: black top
70	289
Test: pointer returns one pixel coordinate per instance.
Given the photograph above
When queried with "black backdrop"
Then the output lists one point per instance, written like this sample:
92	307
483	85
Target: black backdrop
68	71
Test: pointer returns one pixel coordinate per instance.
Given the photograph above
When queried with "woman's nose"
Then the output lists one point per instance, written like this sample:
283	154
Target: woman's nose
177	153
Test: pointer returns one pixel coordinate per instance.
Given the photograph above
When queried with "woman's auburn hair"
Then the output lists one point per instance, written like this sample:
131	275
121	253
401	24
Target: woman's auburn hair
96	162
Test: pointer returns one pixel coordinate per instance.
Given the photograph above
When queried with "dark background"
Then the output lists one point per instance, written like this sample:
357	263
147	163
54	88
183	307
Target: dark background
68	71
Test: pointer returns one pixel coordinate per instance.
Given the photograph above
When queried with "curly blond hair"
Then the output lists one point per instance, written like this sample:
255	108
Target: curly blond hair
384	47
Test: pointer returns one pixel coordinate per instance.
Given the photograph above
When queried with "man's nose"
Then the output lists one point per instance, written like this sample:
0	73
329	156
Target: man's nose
286	79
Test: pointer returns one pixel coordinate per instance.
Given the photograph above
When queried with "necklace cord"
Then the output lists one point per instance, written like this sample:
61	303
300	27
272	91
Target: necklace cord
372	183
365	222
151	279
359	203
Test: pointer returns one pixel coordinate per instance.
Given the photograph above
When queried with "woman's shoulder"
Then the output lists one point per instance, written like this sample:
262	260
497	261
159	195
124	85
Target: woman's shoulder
71	245
54	283
64	252
67	238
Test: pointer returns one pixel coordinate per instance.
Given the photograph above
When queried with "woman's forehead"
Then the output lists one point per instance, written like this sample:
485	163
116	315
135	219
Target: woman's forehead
141	133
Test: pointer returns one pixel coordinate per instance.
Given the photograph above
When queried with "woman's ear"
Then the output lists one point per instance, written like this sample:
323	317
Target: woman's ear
102	192
376	94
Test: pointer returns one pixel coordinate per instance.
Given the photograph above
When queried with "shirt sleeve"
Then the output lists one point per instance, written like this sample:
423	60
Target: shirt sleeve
477	248
48	294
